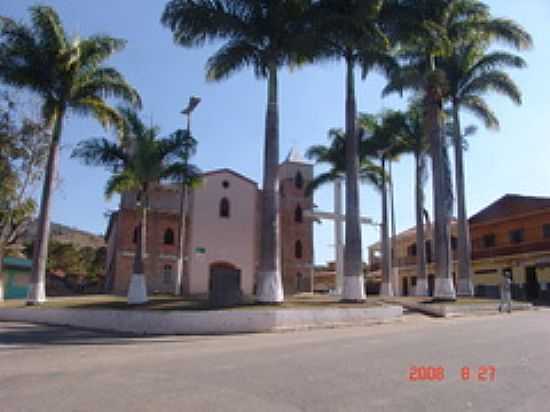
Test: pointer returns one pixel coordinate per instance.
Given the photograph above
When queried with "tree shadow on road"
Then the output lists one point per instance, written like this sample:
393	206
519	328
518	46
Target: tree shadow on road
29	336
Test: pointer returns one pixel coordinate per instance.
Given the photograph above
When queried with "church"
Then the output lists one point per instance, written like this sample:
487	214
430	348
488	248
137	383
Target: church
222	233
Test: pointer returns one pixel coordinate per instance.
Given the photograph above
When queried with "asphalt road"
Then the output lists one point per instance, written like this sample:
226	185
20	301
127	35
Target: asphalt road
353	369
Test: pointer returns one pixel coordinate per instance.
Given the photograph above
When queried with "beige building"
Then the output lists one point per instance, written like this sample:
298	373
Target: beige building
404	260
222	234
512	233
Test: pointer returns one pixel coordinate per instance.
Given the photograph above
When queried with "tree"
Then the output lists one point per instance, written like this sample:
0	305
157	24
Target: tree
23	144
352	30
138	161
427	32
385	144
411	130
264	35
471	72
69	75
189	176
334	156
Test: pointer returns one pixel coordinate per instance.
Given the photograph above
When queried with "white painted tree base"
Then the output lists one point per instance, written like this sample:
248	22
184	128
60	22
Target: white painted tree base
36	294
1	288
270	288
386	289
354	289
444	288
137	292
421	288
464	287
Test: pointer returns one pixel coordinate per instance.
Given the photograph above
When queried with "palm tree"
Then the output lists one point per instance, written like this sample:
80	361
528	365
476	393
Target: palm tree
138	161
411	130
334	156
70	76
385	144
266	36
189	176
352	30
427	32
472	71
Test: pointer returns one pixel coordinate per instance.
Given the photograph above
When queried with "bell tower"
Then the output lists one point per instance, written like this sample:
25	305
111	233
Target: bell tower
295	173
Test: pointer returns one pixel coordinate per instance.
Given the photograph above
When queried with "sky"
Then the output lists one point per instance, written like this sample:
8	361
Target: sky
229	123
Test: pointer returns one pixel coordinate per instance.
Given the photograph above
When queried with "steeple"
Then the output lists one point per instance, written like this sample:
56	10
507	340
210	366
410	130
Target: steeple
294	156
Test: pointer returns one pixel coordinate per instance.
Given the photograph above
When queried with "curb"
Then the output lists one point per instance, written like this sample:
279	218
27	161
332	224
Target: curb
203	322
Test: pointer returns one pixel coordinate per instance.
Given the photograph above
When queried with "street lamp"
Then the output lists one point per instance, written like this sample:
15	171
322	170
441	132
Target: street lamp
193	103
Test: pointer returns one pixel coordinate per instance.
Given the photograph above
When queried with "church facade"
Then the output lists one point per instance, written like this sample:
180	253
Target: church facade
221	236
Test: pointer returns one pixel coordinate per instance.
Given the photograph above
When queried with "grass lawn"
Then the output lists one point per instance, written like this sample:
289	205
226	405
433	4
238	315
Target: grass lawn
167	302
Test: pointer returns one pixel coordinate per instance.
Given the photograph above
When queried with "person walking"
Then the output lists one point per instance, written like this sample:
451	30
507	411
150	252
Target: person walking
506	291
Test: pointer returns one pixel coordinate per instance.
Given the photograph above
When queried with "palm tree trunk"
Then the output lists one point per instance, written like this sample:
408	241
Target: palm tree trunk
270	287
421	275
354	283
464	284
386	289
444	288
137	292
394	267
1	273
37	287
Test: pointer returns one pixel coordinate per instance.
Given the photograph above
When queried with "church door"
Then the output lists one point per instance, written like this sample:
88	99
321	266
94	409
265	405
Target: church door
224	285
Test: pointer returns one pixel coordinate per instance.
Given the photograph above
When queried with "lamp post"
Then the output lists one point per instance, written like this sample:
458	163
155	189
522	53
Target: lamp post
179	287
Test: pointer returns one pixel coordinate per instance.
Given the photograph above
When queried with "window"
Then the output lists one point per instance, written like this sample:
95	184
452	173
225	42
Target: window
299	181
225	184
136	234
167	274
413	281
546	231
489	241
516	236
224	208
298	250
298	214
411	250
169	237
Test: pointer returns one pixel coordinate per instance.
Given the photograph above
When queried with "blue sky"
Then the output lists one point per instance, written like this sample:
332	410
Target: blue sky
229	122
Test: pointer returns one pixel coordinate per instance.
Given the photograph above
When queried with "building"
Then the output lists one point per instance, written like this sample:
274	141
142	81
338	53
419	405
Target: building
511	233
404	260
222	234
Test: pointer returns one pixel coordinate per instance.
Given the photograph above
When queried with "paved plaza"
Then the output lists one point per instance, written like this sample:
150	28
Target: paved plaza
352	369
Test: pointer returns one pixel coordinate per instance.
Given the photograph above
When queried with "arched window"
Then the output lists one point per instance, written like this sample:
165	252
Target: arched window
299	181
298	214
298	250
167	274
168	237
136	234
225	211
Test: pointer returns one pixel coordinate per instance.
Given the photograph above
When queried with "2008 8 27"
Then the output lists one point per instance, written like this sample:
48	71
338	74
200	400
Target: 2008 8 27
437	373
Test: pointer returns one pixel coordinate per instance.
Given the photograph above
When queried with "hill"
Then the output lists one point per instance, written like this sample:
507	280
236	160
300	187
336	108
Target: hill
65	234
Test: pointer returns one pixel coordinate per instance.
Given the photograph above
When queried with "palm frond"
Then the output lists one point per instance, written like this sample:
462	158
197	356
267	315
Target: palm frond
479	108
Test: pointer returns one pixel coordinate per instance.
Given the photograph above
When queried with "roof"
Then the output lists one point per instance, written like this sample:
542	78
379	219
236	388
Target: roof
508	206
232	172
13	262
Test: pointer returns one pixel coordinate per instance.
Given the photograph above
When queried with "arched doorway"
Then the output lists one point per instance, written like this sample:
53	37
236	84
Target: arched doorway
224	286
